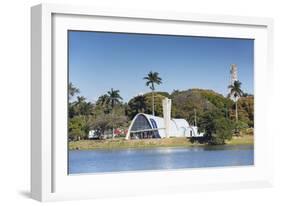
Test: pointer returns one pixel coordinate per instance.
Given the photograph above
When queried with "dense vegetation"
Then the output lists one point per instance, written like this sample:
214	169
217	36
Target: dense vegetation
108	112
217	116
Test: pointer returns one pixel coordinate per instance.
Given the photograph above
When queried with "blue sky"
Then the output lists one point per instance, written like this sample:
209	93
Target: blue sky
99	61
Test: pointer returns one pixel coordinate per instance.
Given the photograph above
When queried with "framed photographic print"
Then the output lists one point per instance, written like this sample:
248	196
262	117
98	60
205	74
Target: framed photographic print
137	102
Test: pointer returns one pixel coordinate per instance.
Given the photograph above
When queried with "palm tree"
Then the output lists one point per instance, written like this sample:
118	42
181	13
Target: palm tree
103	100
72	90
152	79
80	99
114	98
82	107
139	103
236	92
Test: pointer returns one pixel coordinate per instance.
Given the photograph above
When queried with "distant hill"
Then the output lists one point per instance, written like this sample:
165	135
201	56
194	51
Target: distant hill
186	102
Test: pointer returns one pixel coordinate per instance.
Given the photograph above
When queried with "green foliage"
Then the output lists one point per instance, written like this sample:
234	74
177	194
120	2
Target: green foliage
246	110
240	127
143	104
72	90
100	123
216	99
107	113
215	113
222	131
103	122
185	102
235	89
217	129
114	97
164	94
116	120
158	111
103	100
249	131
80	107
137	105
78	127
152	79
236	92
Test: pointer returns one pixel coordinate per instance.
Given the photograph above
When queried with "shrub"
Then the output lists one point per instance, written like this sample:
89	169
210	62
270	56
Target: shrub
222	131
240	127
216	127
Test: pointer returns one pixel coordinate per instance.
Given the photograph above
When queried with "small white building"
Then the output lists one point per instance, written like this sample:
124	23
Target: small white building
92	134
149	126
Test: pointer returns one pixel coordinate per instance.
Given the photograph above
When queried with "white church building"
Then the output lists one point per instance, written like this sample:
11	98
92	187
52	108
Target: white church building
149	126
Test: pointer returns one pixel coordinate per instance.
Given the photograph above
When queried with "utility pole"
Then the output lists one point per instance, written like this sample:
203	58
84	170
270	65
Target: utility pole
195	119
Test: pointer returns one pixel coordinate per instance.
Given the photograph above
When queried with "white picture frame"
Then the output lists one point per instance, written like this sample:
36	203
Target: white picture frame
49	178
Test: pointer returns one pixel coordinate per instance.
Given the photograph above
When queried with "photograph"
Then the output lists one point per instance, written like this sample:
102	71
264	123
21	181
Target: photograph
150	102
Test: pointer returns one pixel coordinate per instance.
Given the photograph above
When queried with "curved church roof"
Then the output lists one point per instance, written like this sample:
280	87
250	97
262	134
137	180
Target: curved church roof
146	122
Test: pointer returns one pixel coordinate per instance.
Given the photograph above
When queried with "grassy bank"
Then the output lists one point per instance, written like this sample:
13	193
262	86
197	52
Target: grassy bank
147	143
242	140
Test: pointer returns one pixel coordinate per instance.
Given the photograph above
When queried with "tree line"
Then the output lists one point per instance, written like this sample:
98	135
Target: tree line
218	117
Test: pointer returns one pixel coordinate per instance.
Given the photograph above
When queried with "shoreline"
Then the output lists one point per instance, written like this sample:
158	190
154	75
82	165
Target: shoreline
121	143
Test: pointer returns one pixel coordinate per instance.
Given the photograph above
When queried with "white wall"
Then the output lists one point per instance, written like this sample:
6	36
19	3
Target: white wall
14	104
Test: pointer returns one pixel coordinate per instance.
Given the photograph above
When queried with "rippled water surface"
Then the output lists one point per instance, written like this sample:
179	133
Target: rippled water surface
159	158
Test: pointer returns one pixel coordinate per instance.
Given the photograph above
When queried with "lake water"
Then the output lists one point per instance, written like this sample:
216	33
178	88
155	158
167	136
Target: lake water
94	161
